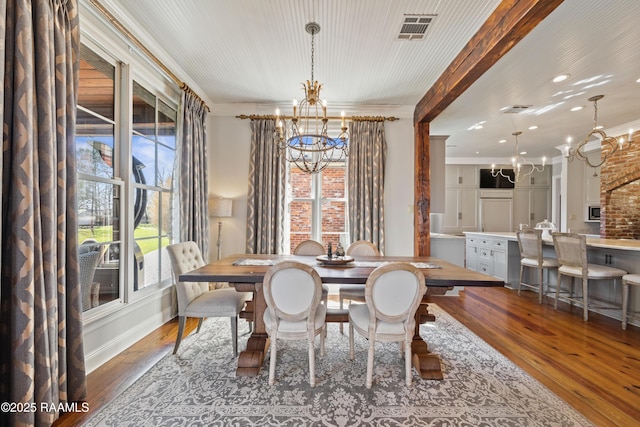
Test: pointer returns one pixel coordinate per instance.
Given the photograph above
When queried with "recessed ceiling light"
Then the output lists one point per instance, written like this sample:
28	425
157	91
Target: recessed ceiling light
560	78
534	127
578	108
638	81
502	141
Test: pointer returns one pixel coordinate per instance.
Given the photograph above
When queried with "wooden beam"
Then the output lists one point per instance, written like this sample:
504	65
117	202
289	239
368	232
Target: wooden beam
508	24
422	195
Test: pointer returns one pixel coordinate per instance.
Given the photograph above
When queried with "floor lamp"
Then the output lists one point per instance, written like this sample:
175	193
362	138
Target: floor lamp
220	208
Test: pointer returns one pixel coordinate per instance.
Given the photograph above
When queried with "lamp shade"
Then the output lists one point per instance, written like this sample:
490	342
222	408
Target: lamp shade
219	207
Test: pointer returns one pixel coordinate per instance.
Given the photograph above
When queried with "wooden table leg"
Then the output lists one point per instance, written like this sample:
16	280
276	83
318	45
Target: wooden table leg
427	363
250	360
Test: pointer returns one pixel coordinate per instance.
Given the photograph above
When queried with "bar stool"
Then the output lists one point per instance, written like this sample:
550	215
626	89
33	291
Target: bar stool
530	244
627	280
571	249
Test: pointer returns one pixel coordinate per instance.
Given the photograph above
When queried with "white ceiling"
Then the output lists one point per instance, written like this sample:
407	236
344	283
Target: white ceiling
257	53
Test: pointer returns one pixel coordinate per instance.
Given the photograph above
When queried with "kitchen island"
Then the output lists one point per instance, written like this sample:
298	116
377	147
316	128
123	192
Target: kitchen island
497	254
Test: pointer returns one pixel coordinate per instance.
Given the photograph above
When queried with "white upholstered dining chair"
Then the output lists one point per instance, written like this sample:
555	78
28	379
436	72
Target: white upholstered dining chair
392	294
571	250
292	291
356	292
313	248
196	300
530	245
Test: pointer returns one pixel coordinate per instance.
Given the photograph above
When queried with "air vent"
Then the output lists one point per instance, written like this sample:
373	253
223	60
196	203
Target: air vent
414	27
515	109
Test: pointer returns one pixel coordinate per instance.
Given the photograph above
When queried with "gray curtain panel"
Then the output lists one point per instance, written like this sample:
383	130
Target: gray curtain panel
42	358
193	188
265	201
367	156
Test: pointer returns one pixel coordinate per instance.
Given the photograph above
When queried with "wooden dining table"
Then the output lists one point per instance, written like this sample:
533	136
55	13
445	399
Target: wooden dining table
245	272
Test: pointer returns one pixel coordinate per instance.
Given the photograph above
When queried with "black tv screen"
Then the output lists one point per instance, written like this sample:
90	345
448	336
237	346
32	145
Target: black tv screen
487	180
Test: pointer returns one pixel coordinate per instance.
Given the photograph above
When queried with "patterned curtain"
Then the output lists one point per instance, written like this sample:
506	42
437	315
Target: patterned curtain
367	156
193	185
265	202
42	358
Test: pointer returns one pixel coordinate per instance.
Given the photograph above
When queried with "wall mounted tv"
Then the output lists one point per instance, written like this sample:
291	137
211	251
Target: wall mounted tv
487	180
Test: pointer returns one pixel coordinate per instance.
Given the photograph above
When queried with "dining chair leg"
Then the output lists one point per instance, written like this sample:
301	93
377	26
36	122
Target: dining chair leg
181	322
341	308
323	334
372	343
199	324
234	335
312	358
352	353
407	361
272	360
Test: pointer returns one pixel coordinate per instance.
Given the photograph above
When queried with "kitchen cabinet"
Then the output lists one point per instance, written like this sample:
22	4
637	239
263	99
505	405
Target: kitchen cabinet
460	211
461	176
536	179
530	206
488	255
460	199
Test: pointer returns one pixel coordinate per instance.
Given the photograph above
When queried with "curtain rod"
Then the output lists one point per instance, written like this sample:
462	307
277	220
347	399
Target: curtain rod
133	39
352	118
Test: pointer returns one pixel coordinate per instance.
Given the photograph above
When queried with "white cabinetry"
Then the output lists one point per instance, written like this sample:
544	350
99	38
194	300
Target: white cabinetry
461	199
493	255
531	199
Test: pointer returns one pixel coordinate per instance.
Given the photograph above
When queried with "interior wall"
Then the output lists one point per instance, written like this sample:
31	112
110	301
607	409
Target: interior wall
228	143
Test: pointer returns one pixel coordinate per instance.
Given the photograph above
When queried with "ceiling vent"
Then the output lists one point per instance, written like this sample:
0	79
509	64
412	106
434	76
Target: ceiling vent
515	109
414	27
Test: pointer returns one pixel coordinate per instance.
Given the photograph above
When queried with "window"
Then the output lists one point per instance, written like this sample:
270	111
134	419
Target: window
317	206
98	188
153	143
110	168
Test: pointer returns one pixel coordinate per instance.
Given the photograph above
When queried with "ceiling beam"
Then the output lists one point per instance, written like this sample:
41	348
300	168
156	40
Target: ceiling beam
508	24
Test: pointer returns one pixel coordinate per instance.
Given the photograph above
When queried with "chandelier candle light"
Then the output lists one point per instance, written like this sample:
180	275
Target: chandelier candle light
613	143
522	167
305	139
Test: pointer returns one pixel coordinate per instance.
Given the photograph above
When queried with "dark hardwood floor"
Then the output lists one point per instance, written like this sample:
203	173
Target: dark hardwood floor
594	366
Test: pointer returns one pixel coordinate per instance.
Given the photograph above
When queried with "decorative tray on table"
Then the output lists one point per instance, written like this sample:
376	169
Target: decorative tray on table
342	260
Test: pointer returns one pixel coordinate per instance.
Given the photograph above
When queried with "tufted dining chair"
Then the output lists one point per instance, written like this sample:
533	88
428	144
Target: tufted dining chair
292	291
196	300
392	294
571	250
313	248
530	245
356	292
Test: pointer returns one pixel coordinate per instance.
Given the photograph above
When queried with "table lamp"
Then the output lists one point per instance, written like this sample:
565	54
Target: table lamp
220	208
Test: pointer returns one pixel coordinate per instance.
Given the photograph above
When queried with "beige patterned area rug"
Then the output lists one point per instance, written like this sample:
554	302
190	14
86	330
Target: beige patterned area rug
198	386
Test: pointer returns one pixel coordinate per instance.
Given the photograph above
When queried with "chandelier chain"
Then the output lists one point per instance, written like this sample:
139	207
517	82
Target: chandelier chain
313	49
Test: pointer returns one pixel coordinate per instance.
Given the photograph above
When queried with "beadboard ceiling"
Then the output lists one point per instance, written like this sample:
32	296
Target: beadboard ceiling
253	55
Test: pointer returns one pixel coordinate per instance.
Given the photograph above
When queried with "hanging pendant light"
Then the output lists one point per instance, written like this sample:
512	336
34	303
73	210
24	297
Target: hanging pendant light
305	140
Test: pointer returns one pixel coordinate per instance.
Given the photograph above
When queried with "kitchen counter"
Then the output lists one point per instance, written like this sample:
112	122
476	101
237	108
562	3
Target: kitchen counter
595	242
497	254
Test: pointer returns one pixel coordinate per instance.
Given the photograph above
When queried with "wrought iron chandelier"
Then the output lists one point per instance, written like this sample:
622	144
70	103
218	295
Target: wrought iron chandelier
305	140
521	167
614	144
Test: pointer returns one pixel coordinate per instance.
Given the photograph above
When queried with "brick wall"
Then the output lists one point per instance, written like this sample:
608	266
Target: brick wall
334	213
620	193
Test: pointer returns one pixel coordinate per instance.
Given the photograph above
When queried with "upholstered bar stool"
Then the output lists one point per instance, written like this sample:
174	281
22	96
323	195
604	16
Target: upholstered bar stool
530	244
571	250
627	281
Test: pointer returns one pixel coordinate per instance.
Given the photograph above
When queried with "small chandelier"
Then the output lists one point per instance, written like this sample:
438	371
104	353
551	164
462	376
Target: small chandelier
522	167
614	144
304	140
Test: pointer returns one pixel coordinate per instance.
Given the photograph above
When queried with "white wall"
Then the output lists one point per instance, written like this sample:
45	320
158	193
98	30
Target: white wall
228	150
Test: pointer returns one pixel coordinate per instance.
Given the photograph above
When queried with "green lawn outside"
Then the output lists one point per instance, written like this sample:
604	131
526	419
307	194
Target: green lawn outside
105	234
